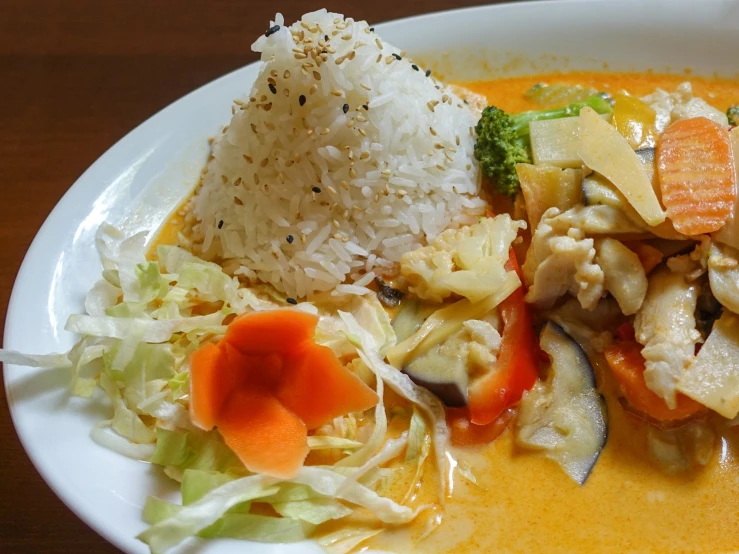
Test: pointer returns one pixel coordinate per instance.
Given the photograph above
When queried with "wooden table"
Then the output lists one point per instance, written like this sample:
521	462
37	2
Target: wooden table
75	76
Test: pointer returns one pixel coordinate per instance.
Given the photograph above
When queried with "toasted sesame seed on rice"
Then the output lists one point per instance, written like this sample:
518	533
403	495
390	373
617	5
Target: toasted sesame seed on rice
412	137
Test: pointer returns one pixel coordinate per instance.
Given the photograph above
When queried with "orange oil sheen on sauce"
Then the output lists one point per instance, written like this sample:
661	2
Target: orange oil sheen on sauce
523	503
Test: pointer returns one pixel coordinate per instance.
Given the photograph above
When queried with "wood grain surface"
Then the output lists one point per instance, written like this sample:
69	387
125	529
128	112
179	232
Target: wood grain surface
75	76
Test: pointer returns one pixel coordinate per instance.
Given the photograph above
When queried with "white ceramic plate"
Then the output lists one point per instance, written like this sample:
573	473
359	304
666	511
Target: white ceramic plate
142	178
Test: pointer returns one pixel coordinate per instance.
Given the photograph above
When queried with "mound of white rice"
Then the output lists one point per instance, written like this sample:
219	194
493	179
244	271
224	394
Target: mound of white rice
344	156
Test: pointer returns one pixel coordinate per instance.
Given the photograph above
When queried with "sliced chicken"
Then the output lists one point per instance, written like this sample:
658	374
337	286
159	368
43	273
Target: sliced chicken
665	325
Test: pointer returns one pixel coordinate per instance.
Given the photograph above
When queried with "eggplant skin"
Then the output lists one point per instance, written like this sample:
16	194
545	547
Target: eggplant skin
449	392
570	396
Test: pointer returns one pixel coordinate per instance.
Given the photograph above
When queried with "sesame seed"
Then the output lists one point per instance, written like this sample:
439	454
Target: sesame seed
346	37
316	189
372	29
291	301
440	167
309	132
220	224
379	58
272	30
430	106
365	87
237	182
433	131
344	185
364	155
428	73
301	99
415	67
377	197
238	201
332	190
362	132
313	88
287	92
336	223
352	173
336	92
224	179
349	123
397	57
345	108
272	88
378	43
303	239
290	239
402	193
300	56
456	139
386	172
438	146
325	131
365	106
316	76
389	60
444	98
264	162
350	55
361	119
286	75
339	60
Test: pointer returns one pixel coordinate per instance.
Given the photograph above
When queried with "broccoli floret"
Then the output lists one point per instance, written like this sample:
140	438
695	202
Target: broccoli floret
503	140
733	115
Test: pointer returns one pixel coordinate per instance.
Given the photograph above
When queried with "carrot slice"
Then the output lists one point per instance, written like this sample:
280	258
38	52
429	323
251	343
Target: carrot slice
317	388
695	165
627	365
466	433
265	435
271	331
648	255
210	385
264	372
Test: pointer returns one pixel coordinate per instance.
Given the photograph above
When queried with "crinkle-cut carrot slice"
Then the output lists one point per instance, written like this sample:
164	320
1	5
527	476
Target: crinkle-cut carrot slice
627	365
695	165
648	255
317	388
210	384
271	331
266	436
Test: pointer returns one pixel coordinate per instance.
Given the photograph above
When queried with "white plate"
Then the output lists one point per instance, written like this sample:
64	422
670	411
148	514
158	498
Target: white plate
138	181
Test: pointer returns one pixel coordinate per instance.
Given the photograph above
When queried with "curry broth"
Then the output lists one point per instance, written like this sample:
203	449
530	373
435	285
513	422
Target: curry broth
525	503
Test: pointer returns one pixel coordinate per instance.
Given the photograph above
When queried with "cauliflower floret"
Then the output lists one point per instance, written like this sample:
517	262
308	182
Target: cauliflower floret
681	104
468	261
665	325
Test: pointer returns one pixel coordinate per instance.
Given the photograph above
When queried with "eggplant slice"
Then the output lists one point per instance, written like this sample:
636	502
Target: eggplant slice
565	417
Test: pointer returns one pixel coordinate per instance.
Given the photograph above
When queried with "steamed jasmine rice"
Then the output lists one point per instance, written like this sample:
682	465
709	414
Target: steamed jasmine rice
344	156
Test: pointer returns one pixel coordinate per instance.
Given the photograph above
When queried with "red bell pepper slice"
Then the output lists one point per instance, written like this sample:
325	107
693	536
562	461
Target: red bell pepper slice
517	367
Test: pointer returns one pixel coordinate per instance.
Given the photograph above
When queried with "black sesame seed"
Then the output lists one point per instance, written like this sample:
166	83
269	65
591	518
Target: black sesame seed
316	189
325	37
428	72
397	57
272	88
292	301
365	106
465	101
345	108
372	29
272	30
220	224
290	239
415	67
301	99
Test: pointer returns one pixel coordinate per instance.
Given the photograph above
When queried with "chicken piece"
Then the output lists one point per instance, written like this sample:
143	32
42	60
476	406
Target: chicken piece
561	258
468	262
625	277
723	274
557	264
665	326
681	104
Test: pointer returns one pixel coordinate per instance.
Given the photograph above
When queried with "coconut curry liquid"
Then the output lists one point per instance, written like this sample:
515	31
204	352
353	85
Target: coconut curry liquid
523	503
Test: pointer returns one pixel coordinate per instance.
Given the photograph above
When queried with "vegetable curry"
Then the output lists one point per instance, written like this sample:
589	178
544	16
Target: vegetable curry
522	502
